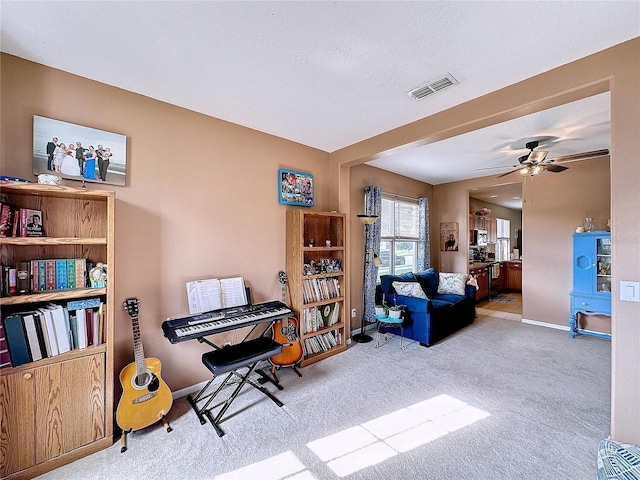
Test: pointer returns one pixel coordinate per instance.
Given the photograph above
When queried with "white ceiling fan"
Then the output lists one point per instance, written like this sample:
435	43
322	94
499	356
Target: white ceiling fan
536	161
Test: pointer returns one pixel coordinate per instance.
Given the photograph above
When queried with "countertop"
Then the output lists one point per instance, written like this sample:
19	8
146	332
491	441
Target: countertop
485	264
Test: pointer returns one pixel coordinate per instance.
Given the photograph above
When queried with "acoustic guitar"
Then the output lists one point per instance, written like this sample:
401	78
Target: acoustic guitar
285	331
145	399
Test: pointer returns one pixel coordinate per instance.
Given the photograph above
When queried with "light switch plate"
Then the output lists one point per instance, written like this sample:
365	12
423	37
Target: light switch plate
629	291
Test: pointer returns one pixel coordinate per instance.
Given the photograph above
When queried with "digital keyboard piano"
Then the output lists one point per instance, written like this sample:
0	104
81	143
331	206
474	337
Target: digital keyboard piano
218	321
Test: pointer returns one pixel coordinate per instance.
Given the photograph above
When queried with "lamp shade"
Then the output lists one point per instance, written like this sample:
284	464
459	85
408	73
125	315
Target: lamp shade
367	219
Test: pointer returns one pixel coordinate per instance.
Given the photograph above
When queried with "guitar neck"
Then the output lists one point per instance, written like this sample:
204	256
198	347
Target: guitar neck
138	351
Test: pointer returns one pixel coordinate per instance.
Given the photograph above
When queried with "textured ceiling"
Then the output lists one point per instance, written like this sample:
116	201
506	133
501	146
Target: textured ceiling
330	74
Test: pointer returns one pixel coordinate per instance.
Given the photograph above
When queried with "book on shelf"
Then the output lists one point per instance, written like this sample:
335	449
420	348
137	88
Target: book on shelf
17	224
61	274
71	273
61	327
214	294
50	274
6	220
13	280
46	326
5	359
32	335
33	269
42	276
46	322
16	340
23	278
329	313
32	222
81	272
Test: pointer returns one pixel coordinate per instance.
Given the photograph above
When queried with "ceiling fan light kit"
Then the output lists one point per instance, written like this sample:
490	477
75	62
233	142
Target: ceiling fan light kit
536	162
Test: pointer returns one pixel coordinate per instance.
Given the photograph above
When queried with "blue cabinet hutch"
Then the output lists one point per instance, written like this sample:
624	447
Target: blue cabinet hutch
591	294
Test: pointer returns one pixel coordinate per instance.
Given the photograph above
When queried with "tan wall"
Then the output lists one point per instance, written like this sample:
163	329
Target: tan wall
361	176
616	69
554	205
201	199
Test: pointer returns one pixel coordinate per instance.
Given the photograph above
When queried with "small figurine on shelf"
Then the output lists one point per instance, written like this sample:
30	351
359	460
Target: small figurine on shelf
328	243
98	275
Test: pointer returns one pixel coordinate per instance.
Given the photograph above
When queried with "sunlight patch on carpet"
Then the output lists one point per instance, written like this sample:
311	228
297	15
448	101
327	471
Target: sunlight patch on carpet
356	448
400	431
360	459
274	468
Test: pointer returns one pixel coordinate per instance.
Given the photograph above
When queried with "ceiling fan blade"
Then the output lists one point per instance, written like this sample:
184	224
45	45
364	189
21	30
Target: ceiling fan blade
494	168
536	157
579	156
555	168
510	172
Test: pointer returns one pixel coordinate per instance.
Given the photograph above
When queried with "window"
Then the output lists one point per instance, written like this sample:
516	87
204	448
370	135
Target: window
503	246
398	236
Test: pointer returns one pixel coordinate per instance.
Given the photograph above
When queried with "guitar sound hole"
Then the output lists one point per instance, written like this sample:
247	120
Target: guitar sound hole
142	380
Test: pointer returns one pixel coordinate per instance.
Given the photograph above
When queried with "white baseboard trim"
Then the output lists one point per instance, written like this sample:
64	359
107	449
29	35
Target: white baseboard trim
545	324
189	390
371	326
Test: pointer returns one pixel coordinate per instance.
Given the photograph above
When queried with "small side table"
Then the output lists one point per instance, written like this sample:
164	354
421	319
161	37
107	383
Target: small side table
389	322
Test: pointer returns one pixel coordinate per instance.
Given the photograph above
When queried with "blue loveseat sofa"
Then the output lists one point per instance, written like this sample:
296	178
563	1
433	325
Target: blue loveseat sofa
429	320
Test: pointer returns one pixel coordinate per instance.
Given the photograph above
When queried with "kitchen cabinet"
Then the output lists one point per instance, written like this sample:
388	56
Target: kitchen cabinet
477	222
492	229
502	279
514	276
482	276
591	294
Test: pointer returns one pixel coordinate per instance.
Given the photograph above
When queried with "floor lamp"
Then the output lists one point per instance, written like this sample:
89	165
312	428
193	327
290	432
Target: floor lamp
366	220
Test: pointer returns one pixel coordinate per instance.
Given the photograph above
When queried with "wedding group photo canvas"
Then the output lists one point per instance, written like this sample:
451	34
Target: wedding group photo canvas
77	152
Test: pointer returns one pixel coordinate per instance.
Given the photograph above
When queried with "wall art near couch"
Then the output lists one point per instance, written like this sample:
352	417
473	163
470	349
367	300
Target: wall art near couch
449	236
80	153
296	188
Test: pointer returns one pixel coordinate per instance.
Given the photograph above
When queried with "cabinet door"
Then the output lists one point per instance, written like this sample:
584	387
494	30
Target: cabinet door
515	276
492	229
502	279
17	426
584	264
70	405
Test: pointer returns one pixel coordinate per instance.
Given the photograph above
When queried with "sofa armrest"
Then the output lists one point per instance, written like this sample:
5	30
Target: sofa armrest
470	291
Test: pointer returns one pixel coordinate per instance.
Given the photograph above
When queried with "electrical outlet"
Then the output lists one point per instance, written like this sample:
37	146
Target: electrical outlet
353	313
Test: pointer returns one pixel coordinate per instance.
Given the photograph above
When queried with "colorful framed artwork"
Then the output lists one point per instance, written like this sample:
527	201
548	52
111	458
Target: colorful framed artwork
78	153
449	237
295	188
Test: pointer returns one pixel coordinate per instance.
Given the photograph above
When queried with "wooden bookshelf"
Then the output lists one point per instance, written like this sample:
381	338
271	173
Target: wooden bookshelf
316	270
59	409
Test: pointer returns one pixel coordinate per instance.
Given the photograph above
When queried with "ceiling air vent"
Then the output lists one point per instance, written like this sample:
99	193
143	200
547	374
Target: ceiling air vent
433	86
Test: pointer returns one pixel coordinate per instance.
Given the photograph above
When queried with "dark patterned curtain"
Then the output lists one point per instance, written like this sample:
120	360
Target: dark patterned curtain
372	206
424	244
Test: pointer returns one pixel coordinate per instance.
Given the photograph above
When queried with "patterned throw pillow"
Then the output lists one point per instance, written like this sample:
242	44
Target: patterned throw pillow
409	289
452	283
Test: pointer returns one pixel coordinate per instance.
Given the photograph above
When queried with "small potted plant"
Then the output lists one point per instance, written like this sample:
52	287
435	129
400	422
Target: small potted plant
381	310
396	311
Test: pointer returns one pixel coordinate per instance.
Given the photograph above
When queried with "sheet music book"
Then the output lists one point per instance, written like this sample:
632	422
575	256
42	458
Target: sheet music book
216	293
